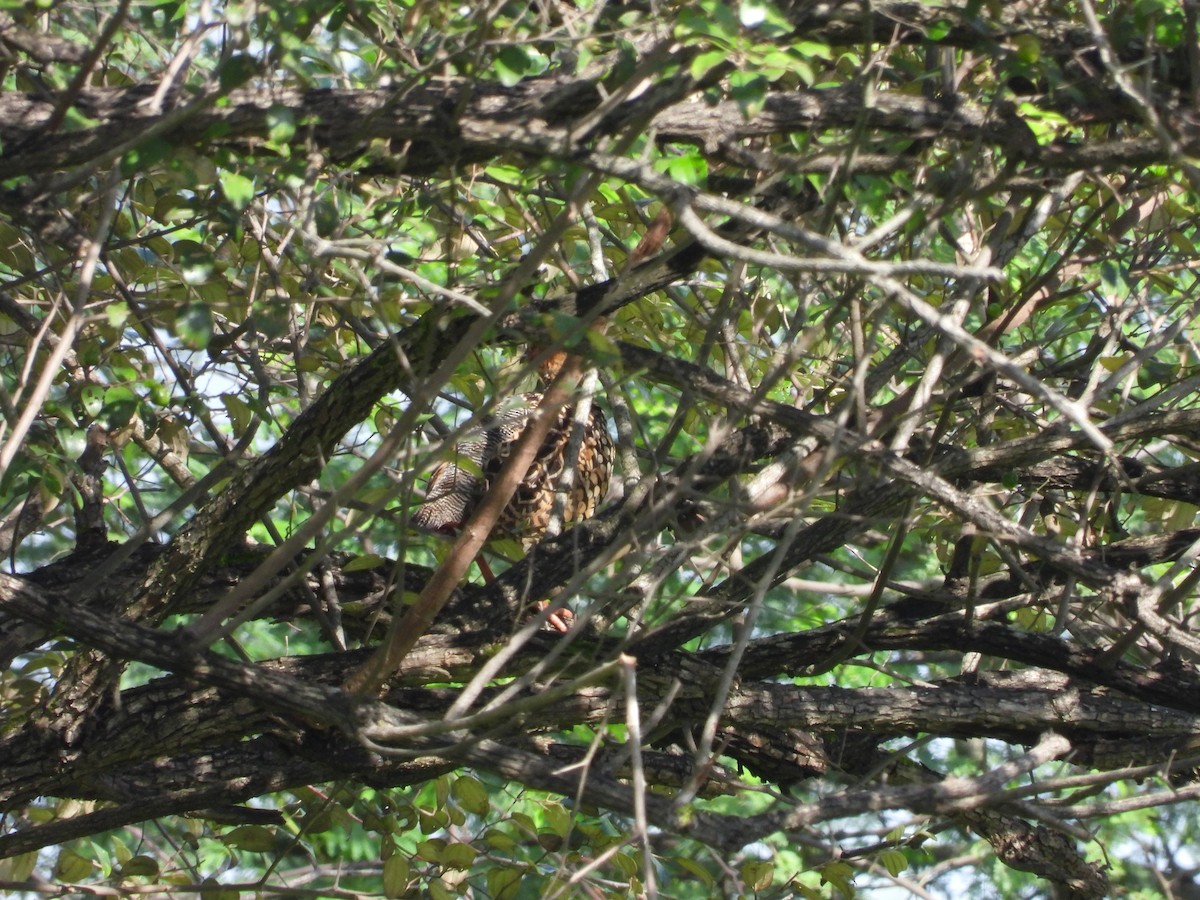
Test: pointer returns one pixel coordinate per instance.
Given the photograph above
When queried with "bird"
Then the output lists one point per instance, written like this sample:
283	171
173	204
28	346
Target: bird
457	484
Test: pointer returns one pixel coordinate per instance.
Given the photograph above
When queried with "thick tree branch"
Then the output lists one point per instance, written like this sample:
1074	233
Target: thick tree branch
430	127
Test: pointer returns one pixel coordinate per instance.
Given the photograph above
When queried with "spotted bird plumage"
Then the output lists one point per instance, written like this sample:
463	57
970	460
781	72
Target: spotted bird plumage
458	484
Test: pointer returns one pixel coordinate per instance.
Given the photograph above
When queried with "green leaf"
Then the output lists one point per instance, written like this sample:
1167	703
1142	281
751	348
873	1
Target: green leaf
236	71
251	838
1029	48
395	875
174	208
840	875
775	63
241	414
690	865
237	188
813	48
441	791
140	865
691	168
70	866
557	818
894	861
1046	125
146	154
431	850
195	261
714	21
758	874
92	398
120	406
939	30
749	91
76	120
470	795
1113	278
512	64
502	884
628	864
116	313
499	841
281	124
194	325
702	63
20	867
364	562
457	856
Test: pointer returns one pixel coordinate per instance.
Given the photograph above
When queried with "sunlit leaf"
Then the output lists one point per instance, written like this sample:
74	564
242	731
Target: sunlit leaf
251	838
238	189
